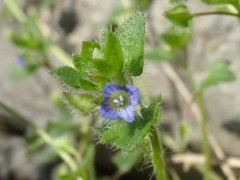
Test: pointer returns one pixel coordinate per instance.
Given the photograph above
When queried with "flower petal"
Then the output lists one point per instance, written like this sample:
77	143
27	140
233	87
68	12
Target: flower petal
109	89
20	61
127	114
133	93
107	112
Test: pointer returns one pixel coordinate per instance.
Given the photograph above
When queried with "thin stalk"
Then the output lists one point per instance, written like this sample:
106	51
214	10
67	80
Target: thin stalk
85	144
214	13
64	156
42	133
16	10
157	156
199	98
91	173
206	148
60	55
18	116
204	127
46	64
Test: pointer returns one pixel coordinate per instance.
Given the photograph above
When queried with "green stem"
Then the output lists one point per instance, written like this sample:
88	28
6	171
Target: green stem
157	156
60	55
64	156
214	13
42	133
199	97
206	148
16	10
18	116
204	128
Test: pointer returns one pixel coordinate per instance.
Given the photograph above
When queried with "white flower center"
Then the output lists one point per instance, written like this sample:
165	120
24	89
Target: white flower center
118	102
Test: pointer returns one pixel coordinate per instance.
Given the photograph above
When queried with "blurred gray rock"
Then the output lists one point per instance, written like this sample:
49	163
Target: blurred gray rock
27	96
214	38
222	105
217	38
15	162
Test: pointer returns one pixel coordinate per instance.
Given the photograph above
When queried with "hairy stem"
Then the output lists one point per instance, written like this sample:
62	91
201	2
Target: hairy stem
206	148
157	156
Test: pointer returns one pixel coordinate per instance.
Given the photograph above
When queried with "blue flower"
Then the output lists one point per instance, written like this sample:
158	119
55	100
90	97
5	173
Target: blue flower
119	102
20	61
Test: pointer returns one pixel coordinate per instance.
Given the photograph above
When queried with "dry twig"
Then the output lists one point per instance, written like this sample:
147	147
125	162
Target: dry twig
190	159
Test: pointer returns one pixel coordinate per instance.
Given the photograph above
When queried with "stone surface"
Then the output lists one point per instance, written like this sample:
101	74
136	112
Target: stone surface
15	162
27	96
222	105
217	38
214	38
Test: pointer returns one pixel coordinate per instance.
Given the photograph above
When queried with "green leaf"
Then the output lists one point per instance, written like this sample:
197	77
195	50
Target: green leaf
64	144
112	63
59	126
113	53
126	162
158	53
82	102
104	39
131	37
171	143
143	4
176	1
82	62
68	75
78	62
28	35
87	49
179	15
235	3
127	136
219	72
177	37
72	78
185	131
220	1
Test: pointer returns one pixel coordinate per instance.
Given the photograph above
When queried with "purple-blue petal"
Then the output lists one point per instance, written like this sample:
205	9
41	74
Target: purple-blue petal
133	93
127	114
107	112
20	61
109	89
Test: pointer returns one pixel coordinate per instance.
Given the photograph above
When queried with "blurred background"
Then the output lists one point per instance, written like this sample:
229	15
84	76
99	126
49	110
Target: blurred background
27	87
